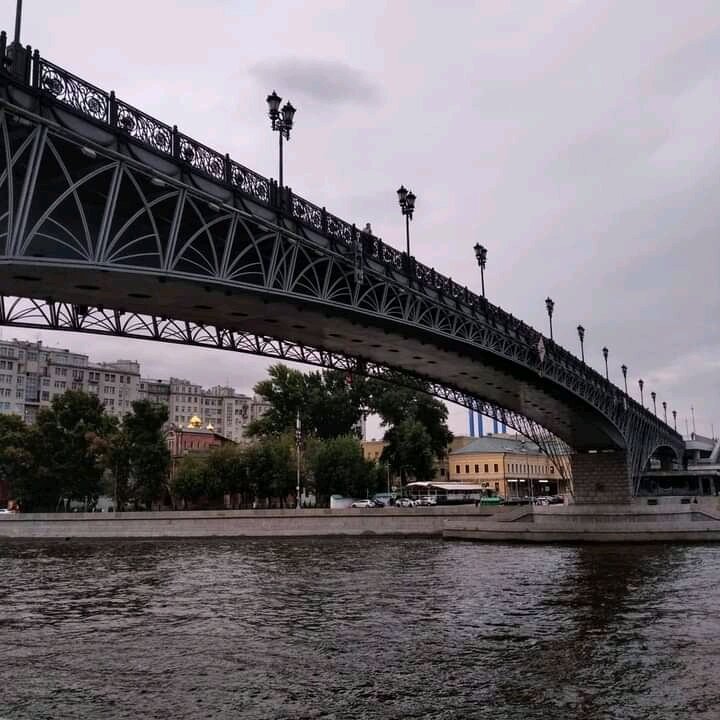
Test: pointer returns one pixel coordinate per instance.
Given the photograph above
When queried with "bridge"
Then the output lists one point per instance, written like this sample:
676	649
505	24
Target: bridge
114	222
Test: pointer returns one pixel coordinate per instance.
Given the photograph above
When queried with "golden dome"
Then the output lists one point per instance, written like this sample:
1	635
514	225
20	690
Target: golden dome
195	423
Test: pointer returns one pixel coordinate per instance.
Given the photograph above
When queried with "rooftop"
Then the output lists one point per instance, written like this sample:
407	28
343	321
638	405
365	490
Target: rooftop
498	444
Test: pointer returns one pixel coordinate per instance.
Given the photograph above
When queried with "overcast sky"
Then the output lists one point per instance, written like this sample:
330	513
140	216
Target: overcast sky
578	141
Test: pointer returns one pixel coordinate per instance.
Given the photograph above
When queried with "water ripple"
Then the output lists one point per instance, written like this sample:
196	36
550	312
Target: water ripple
358	628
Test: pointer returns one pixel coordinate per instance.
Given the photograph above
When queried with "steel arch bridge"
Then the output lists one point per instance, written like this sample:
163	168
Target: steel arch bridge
112	221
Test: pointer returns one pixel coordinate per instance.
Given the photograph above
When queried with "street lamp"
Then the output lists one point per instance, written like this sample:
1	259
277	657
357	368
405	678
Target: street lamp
581	335
642	399
664	404
481	255
605	355
282	122
298	443
624	372
406	198
674	414
653	395
550	305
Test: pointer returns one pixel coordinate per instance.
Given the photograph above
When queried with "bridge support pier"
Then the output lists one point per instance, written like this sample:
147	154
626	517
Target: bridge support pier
601	478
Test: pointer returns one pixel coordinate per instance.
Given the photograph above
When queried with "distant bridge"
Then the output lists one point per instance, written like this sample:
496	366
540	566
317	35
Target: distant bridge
114	222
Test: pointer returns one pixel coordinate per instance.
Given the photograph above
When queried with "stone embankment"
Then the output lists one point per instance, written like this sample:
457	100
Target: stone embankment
231	523
665	520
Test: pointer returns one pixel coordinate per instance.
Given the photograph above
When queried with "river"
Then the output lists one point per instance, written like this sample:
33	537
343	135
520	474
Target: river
358	628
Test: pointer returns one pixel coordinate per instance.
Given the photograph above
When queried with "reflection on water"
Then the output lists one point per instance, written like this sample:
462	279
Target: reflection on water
358	628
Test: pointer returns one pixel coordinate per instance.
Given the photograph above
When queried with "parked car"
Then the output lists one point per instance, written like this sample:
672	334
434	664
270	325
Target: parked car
363	504
428	500
404	502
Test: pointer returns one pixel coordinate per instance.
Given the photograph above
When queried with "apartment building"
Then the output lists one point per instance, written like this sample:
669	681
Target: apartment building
228	411
31	375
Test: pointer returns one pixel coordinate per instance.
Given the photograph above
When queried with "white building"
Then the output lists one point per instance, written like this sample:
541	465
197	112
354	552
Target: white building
31	375
228	411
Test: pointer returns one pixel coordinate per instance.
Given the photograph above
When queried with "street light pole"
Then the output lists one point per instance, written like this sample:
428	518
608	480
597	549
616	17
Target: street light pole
624	372
642	399
18	20
653	395
605	355
298	441
481	256
664	404
550	305
407	198
581	335
674	414
282	122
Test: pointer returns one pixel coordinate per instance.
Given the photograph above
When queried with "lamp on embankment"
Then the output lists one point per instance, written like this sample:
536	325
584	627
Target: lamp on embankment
642	398
664	404
624	372
653	395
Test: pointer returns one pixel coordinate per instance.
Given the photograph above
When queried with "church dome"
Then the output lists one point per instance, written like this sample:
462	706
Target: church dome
195	423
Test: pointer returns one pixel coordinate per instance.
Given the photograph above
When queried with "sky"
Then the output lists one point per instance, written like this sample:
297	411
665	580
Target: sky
577	141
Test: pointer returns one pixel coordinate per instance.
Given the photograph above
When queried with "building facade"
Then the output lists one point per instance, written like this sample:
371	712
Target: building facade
31	375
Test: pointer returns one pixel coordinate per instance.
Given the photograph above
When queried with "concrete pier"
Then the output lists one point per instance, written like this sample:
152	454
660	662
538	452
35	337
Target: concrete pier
666	520
237	523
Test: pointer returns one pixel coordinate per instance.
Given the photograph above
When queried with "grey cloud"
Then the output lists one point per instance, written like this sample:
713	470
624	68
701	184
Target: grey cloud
329	81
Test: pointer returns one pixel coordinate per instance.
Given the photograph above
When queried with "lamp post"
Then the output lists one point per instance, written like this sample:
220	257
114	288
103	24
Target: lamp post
282	122
550	305
605	355
664	404
674	414
481	255
653	395
406	198
581	335
298	442
642	399
624	372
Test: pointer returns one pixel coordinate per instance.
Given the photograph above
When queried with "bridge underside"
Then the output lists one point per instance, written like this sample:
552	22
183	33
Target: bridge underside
450	363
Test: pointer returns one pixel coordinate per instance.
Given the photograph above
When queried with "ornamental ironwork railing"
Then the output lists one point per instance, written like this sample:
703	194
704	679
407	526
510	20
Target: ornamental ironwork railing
55	84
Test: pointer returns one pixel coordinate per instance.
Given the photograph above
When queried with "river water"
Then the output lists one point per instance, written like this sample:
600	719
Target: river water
358	628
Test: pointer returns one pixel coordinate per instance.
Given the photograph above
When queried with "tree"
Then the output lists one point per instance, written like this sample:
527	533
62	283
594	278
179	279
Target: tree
226	472
329	406
338	467
70	447
409	451
190	480
147	452
17	470
271	467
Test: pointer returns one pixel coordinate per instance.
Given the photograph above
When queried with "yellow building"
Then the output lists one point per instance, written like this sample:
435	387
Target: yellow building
507	465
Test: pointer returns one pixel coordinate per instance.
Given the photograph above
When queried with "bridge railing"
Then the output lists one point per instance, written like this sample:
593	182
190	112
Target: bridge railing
81	97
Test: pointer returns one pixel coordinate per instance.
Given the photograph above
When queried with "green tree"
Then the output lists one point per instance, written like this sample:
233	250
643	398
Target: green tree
226	469
271	467
338	467
329	405
147	452
408	451
190	481
70	446
17	471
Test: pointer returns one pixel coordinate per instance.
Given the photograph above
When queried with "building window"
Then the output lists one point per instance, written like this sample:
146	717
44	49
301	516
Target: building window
457	469
477	468
497	486
467	468
486	467
496	467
